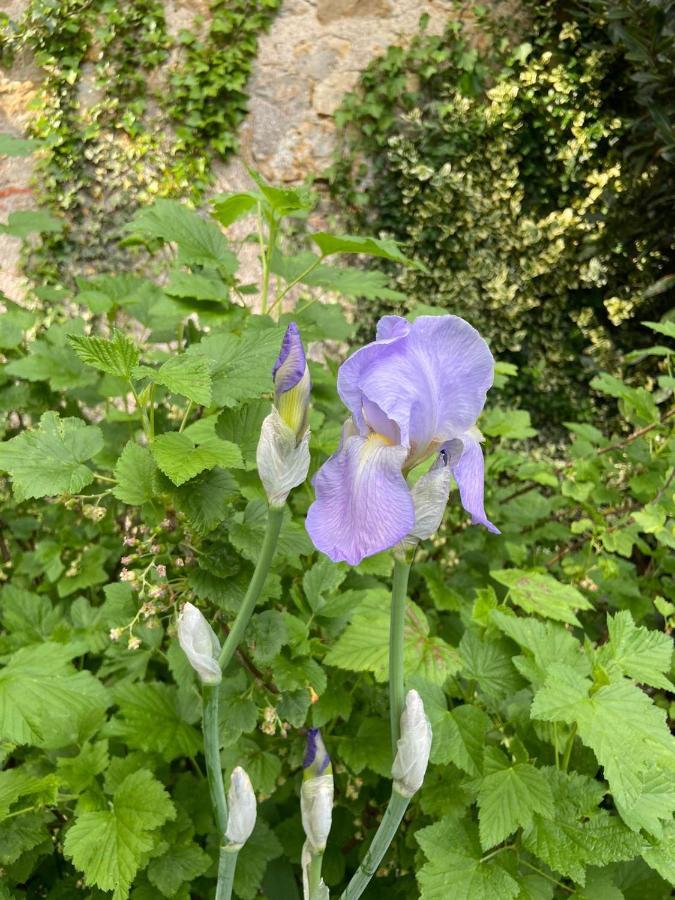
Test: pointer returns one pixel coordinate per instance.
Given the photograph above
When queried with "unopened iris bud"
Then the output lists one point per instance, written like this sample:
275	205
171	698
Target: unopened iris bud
413	747
283	448
292	384
200	644
316	794
242	809
430	497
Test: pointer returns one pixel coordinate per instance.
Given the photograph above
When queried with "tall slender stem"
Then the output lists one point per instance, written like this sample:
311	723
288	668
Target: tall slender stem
214	771
227	863
275	515
314	875
399	590
380	844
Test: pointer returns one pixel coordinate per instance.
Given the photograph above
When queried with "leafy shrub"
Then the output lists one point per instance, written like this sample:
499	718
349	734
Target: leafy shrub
130	417
501	172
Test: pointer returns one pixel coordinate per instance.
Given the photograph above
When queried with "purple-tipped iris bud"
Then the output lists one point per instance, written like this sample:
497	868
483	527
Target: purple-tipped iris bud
200	644
316	793
292	384
413	747
414	391
241	809
283	448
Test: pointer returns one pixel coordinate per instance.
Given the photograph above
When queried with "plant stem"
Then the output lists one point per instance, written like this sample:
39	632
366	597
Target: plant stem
295	281
568	748
379	846
314	874
275	515
399	589
214	771
188	409
227	864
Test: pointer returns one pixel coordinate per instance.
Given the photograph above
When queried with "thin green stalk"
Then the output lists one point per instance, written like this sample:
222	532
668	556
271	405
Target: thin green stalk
568	748
295	281
214	771
275	515
227	864
379	846
399	590
314	875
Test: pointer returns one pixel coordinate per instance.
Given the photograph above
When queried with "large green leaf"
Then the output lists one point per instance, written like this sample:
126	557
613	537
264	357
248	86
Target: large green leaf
136	475
49	460
116	356
349	243
188	375
177	455
508	798
542	594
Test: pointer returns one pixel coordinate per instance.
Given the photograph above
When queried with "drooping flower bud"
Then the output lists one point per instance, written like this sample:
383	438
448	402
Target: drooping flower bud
292	384
413	747
316	794
283	448
430	497
200	644
242	809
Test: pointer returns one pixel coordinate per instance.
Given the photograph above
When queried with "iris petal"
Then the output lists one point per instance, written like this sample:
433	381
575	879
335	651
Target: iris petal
363	504
469	472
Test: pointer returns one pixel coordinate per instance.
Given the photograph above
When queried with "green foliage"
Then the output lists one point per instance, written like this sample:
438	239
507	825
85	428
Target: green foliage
511	175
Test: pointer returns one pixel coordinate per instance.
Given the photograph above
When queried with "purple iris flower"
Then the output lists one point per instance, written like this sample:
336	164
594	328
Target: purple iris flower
416	391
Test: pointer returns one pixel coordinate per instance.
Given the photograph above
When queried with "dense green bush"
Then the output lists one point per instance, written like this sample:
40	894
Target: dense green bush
504	171
130	416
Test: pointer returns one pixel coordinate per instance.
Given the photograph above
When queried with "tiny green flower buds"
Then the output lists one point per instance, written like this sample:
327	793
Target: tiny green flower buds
413	747
283	448
316	794
200	644
242	809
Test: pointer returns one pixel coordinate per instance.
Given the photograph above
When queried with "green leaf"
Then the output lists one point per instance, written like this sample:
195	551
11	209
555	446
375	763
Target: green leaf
109	845
180	459
242	427
14	146
242	367
454	868
349	281
44	701
369	748
507	423
638	652
24	222
228	208
150	718
187	375
52	362
49	460
178	865
488	662
323	578
199	241
205	499
136	475
262	847
248	529
667	327
542	594
116	356
348	243
283	200
203	286
459	737
508	798
267	634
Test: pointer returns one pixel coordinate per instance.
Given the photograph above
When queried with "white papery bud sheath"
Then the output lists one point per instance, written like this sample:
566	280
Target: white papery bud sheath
282	461
316	807
242	809
413	747
200	644
430	497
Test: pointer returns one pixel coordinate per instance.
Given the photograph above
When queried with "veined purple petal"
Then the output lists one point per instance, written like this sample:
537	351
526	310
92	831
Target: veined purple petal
291	363
363	504
430	378
469	472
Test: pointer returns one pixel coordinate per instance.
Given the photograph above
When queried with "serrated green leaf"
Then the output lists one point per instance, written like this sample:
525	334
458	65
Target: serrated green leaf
115	356
180	459
459	737
349	281
638	652
508	799
228	208
349	243
262	847
109	845
489	663
542	594
242	366
136	475
44	701
178	865
49	460
242	427
247	531
15	146
187	375
205	499
323	578
197	286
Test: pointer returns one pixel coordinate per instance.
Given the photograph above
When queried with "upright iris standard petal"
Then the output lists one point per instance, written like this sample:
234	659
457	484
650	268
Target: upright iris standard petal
469	473
414	391
362	504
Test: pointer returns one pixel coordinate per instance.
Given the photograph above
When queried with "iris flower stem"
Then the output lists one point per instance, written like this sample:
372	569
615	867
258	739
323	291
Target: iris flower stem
275	515
227	864
399	590
214	771
380	844
314	875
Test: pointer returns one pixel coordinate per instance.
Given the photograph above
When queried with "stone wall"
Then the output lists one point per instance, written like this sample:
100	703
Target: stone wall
311	56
